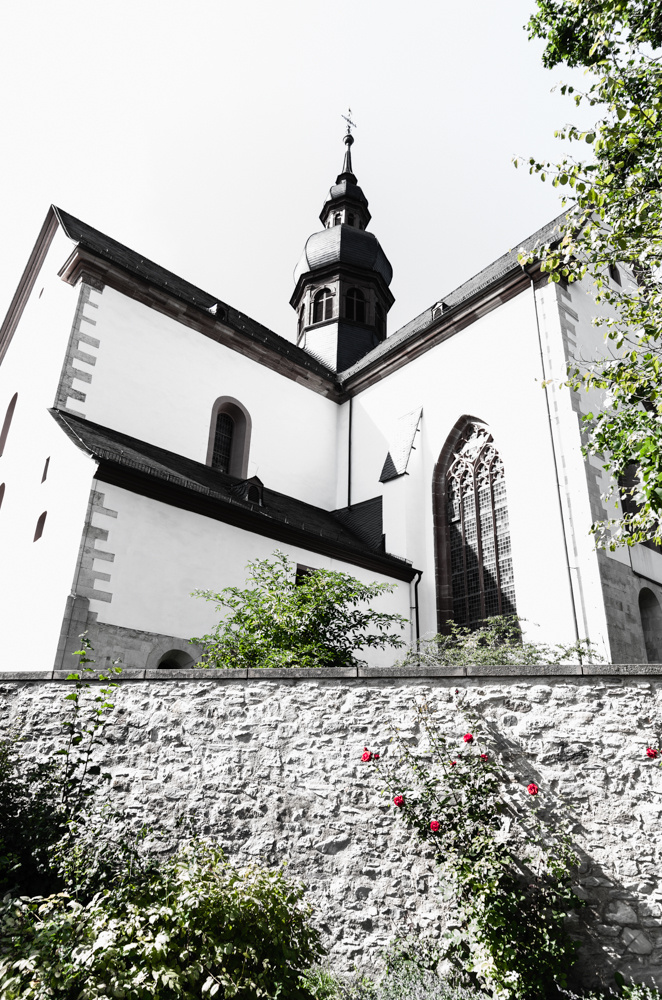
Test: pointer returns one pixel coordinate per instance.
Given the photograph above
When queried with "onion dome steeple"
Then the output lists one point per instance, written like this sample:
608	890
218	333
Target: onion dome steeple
342	279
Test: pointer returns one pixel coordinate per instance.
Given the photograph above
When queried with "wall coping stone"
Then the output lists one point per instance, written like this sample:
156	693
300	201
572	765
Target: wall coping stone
214	674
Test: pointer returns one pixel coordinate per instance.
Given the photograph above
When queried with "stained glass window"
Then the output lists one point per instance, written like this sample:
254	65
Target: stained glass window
480	559
223	442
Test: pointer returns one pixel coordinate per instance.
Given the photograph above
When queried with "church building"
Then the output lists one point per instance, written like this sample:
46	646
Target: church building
154	439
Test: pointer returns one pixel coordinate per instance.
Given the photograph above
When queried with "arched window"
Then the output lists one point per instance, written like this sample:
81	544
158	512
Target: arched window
39	530
380	320
651	623
229	437
300	321
175	659
474	565
355	305
322	305
350	219
7	422
223	436
337	219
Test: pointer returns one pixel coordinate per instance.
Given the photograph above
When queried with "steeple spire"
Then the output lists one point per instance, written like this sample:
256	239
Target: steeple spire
347	172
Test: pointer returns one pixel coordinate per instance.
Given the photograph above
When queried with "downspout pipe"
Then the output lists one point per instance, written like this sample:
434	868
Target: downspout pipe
349	454
554	456
419	574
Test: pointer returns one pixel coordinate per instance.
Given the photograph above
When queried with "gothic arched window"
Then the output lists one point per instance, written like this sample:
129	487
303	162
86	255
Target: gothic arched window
475	573
322	305
355	305
337	219
229	437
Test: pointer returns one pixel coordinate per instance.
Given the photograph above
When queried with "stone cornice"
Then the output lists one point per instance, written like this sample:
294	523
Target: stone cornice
594	671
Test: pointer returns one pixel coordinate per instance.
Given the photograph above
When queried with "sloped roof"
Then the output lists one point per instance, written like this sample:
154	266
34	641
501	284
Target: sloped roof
134	263
151	471
496	271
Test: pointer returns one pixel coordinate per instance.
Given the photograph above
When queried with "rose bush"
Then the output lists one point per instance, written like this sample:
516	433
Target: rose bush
509	935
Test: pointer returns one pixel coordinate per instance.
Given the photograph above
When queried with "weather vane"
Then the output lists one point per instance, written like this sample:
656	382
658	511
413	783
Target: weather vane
348	119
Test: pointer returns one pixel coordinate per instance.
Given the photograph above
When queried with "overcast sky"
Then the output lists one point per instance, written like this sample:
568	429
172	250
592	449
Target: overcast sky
205	134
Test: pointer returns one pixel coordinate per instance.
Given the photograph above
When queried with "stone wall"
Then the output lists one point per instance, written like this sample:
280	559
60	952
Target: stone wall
271	762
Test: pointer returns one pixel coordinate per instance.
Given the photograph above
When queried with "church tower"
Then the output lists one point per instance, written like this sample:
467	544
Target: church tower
342	280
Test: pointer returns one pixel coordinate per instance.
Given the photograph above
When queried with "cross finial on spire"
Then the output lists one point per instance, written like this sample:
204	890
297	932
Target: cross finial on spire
348	119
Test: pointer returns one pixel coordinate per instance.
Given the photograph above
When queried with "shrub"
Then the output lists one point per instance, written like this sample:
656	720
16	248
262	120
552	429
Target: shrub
195	927
280	621
496	640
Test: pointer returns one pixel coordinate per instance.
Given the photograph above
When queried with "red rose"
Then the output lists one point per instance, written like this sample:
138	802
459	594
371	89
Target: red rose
468	738
651	752
532	789
398	800
483	756
366	755
376	756
434	825
453	763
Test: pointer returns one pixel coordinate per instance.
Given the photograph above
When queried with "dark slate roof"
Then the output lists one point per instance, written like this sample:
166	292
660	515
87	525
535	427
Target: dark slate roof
502	267
193	482
133	263
344	244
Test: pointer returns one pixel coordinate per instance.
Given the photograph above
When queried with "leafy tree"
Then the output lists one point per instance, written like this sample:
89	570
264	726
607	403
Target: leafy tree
319	619
196	927
614	220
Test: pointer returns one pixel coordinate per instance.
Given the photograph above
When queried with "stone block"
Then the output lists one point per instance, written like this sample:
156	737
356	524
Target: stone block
636	941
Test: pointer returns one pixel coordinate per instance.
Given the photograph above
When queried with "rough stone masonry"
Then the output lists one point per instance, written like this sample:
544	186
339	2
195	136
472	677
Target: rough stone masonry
270	762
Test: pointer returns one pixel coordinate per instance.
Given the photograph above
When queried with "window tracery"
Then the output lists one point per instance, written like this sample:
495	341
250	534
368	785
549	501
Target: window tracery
481	572
322	305
223	436
355	305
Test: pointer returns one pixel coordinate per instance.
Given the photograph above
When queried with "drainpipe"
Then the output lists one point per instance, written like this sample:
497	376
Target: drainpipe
349	455
419	574
556	464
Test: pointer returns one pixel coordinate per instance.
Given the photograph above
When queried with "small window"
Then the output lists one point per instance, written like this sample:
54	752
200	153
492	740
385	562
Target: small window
7	422
350	219
615	274
39	530
223	442
45	472
355	305
300	322
380	320
322	305
2	493
301	573
337	219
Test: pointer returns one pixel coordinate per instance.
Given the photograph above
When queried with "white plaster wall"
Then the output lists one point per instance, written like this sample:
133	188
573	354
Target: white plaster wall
37	576
157	380
163	553
490	370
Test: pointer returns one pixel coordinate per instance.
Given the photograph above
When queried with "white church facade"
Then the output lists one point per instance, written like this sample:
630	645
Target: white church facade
153	440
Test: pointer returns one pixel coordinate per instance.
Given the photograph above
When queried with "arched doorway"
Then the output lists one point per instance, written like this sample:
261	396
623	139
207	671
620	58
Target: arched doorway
651	623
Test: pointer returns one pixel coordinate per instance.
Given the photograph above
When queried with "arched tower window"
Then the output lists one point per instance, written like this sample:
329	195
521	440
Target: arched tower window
7	422
474	564
651	622
380	320
337	219
355	305
322	305
229	437
350	219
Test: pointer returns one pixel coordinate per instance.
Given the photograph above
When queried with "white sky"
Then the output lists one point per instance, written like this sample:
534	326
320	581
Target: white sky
205	134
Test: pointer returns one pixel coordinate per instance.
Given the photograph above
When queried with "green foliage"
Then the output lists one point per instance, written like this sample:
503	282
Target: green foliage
615	218
497	640
509	880
319	620
43	804
196	927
